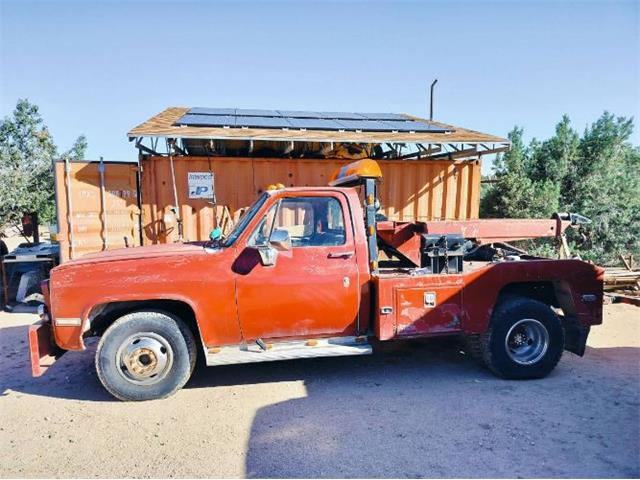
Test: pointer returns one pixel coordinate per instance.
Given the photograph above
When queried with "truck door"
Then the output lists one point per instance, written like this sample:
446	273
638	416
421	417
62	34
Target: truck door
312	290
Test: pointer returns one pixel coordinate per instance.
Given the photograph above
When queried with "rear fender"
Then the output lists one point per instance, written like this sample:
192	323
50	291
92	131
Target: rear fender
556	294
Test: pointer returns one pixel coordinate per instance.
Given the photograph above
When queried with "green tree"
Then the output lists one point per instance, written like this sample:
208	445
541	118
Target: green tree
551	159
595	175
515	193
27	152
604	184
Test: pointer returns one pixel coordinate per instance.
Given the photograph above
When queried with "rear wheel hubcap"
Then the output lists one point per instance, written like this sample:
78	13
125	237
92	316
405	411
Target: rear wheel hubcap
527	341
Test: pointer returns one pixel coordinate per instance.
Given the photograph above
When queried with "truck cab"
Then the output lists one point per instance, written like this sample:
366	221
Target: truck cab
310	272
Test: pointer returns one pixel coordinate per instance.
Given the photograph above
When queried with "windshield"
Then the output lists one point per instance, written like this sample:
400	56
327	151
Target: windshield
246	218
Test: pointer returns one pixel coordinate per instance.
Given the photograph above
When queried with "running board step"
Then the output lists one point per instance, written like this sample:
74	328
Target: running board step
321	347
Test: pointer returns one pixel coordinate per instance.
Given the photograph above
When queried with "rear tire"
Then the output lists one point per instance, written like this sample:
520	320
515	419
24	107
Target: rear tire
145	355
525	339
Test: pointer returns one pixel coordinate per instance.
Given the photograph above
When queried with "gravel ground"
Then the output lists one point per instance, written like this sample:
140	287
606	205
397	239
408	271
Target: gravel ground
416	410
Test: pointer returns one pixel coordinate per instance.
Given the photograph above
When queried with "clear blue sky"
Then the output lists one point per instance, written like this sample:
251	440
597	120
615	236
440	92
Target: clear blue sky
100	68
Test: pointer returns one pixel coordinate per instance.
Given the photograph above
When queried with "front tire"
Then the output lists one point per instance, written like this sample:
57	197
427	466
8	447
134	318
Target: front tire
145	355
525	339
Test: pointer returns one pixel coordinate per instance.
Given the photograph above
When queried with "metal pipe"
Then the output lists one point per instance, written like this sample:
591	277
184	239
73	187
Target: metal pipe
67	171
178	214
433	84
370	222
209	148
103	201
139	202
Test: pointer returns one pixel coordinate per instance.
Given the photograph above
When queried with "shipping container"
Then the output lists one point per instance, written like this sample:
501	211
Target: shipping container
97	205
129	205
411	190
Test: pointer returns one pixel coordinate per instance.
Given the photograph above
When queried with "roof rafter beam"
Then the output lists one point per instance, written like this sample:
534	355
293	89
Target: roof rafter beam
457	154
144	148
500	149
420	154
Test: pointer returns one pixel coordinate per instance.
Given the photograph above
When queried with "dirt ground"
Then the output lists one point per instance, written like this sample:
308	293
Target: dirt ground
417	410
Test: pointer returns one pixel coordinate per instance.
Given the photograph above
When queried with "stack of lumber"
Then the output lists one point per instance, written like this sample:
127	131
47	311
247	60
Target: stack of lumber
621	279
622	285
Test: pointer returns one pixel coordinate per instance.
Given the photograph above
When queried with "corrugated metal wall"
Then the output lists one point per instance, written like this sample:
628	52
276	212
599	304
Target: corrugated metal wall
95	226
411	190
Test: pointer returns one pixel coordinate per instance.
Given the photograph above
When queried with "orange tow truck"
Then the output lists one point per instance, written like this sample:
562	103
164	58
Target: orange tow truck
315	272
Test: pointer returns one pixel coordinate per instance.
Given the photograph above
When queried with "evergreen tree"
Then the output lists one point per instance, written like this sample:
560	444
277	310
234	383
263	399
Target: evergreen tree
27	152
552	159
595	175
515	194
604	184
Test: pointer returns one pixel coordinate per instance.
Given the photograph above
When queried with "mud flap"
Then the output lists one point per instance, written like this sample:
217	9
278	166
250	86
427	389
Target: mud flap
575	336
43	351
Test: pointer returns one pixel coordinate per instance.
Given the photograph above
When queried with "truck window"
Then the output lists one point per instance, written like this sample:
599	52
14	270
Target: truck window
246	218
261	234
311	221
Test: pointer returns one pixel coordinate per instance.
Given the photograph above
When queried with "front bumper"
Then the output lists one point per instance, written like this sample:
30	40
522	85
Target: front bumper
43	351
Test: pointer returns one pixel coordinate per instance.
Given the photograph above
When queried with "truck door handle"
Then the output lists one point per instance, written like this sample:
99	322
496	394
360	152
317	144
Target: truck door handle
340	254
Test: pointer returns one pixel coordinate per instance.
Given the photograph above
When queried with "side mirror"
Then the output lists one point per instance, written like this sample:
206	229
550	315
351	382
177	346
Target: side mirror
280	240
268	256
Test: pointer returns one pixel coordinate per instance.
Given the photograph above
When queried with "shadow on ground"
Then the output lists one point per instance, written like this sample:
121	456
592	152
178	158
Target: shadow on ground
73	375
415	409
430	412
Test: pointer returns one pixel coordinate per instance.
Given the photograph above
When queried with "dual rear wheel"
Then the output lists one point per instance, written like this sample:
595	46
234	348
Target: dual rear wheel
525	340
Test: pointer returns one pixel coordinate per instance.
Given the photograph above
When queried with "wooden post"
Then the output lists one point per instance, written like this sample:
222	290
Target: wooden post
626	264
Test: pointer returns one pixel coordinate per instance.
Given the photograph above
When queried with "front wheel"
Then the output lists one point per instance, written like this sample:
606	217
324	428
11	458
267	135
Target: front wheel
525	339
145	355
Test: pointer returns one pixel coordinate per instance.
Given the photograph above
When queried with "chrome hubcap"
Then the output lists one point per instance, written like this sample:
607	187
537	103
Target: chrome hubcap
527	341
144	358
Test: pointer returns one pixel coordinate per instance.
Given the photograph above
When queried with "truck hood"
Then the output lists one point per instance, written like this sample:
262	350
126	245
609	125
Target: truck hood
150	251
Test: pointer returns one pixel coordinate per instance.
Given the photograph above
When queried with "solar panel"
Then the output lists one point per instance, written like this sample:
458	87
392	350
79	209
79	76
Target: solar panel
364	125
262	122
299	114
383	116
212	111
341	115
197	120
411	126
302	119
245	112
315	124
